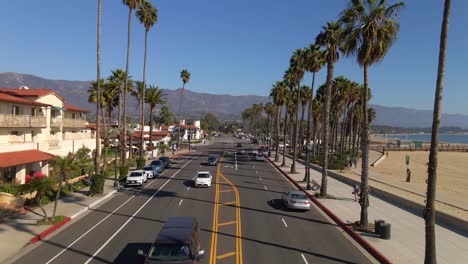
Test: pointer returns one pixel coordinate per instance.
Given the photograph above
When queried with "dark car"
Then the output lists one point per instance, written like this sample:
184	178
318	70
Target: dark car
212	161
166	161
158	164
239	145
177	242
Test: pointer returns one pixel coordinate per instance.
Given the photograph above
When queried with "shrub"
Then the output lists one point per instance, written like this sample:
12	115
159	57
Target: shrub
97	184
123	171
140	163
10	188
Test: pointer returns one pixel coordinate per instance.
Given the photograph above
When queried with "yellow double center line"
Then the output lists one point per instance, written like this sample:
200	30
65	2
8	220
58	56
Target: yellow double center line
214	238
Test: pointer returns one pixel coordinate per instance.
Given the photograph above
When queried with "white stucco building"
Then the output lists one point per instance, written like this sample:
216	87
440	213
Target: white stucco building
38	124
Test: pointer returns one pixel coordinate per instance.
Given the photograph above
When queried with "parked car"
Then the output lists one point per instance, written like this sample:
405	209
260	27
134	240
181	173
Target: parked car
137	177
211	161
260	157
203	178
159	165
241	152
150	171
177	242
297	200
239	145
166	161
254	152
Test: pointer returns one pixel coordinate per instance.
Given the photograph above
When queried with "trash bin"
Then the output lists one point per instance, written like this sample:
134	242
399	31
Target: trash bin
385	231
378	224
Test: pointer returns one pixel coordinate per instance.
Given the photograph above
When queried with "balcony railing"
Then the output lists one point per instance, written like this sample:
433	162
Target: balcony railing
78	123
56	122
22	121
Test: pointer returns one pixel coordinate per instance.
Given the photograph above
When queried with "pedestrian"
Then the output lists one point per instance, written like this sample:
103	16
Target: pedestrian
356	191
355	162
350	163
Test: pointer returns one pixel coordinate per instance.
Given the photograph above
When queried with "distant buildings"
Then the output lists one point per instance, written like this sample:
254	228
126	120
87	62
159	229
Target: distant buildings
35	125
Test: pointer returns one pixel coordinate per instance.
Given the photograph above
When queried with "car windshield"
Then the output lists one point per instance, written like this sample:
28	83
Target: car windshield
203	176
260	155
211	159
136	174
148	168
156	163
172	252
298	196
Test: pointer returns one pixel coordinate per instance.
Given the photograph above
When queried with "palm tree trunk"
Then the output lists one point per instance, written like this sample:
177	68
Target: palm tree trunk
326	130
39	202
119	117
98	103
106	140
295	137
429	211
142	120
124	116
364	195
180	111
284	135
151	129
57	197
278	113
309	119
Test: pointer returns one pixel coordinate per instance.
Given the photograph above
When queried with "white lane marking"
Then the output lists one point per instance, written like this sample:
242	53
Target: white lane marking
254	167
273	201
256	171
181	202
284	222
105	218
303	258
260	178
235	157
265	188
188	188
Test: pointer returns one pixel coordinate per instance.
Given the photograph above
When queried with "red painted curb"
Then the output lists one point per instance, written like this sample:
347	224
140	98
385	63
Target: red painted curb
181	154
368	247
49	230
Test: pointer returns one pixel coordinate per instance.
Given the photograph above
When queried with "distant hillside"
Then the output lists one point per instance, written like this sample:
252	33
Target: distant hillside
225	106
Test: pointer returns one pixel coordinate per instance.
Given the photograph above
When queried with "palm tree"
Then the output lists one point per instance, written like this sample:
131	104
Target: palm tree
42	186
154	97
330	38
62	166
314	61
148	16
370	30
185	76
270	110
278	92
429	211
132	5
305	98
97	168
287	94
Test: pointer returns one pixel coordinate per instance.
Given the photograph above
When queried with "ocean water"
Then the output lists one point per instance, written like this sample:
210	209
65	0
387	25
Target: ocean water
443	138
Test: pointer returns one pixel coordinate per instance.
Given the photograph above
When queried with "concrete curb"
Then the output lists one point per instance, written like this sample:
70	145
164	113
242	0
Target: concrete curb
366	245
49	230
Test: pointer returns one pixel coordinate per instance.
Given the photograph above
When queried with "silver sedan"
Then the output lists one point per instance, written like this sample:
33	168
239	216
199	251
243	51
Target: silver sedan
296	200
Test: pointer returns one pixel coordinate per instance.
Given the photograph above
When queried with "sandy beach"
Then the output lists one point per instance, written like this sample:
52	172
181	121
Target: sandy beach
452	178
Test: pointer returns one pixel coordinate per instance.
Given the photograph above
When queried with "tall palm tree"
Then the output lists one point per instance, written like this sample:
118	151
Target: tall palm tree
97	168
429	211
132	5
287	98
370	30
185	76
148	16
278	92
314	61
330	38
154	97
304	100
270	110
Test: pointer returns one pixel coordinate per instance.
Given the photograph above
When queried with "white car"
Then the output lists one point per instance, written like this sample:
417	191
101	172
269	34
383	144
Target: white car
254	152
137	177
203	178
150	172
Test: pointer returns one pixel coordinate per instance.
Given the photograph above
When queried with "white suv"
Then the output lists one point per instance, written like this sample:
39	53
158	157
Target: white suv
137	177
203	178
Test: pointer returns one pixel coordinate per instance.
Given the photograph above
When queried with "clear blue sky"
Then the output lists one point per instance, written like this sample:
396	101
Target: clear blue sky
231	47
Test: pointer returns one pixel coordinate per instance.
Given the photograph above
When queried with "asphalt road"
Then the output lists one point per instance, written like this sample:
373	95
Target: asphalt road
241	217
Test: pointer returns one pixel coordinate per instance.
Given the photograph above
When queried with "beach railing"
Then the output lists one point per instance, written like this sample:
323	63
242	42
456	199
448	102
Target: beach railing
424	147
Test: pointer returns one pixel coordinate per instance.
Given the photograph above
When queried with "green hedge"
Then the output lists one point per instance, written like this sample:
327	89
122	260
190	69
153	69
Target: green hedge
97	184
123	172
140	163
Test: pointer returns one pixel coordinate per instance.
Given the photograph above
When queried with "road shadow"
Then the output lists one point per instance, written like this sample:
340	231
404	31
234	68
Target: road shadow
129	253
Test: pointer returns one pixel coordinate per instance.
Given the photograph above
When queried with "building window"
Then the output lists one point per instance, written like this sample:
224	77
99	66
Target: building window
8	174
53	113
73	115
33	134
15	110
33	111
14	133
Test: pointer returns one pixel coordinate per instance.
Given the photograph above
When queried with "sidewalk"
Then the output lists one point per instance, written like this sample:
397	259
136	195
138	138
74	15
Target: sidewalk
17	231
407	238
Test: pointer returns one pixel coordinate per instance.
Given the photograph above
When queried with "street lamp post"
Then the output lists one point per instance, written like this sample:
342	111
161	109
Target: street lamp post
116	183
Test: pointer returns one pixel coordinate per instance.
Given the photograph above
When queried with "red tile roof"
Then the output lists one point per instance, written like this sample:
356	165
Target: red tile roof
160	134
15	99
30	92
75	109
189	127
15	158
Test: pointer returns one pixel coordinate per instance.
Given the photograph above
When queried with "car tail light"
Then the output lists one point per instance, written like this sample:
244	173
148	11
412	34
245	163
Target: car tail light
307	202
292	201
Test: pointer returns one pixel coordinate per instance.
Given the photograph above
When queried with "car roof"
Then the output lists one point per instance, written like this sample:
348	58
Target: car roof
137	171
211	157
176	230
203	172
295	192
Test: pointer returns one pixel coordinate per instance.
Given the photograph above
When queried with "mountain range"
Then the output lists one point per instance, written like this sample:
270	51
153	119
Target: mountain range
223	105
